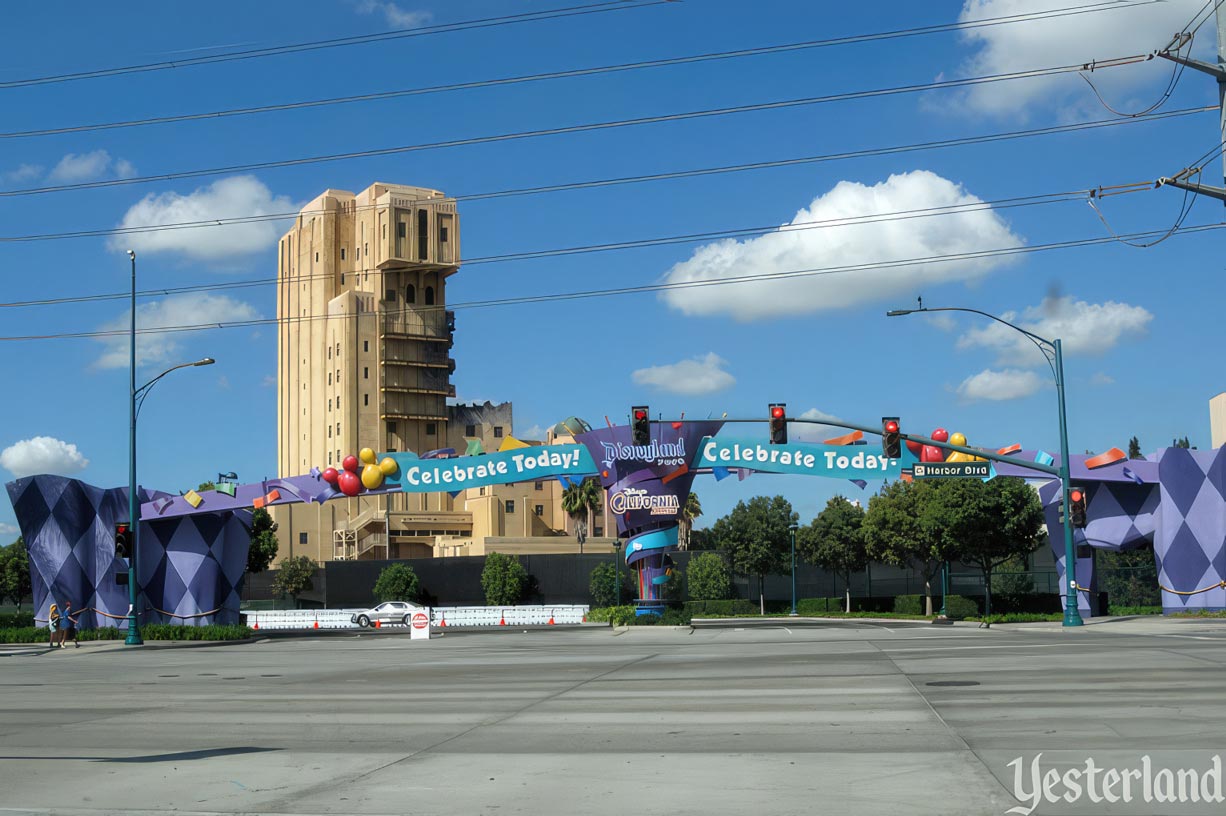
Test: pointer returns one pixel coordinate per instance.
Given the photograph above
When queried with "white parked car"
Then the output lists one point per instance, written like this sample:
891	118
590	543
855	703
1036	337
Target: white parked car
387	612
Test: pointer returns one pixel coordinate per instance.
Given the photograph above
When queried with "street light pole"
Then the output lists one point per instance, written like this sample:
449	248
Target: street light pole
617	569
136	398
1055	358
792	529
133	638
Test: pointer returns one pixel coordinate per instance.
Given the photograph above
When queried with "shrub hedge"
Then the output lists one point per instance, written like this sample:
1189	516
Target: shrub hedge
152	631
16	620
735	606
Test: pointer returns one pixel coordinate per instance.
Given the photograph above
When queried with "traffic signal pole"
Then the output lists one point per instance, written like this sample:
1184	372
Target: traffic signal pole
133	638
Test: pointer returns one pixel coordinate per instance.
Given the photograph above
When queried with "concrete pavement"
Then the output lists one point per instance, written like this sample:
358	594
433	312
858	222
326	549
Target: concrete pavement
849	716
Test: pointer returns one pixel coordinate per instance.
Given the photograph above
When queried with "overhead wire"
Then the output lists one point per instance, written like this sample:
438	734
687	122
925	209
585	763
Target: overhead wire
618	291
555	131
799	226
564	74
338	42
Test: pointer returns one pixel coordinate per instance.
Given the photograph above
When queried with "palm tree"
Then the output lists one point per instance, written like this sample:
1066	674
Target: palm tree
691	511
578	501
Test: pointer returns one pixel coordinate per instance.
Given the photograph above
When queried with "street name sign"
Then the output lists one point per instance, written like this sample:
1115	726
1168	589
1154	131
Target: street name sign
953	470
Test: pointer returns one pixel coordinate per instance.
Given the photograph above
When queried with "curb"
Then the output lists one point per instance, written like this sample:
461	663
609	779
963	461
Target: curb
622	630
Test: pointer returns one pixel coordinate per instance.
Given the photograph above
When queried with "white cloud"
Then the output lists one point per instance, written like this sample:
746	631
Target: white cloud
8	529
234	197
1067	40
76	167
23	173
700	375
394	14
124	169
789	250
42	454
816	433
1102	378
534	433
269	381
1009	384
1083	328
193	308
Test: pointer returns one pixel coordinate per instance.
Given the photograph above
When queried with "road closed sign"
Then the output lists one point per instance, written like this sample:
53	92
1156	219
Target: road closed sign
419	624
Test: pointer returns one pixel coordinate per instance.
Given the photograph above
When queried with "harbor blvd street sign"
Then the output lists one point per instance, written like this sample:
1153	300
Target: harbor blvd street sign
953	470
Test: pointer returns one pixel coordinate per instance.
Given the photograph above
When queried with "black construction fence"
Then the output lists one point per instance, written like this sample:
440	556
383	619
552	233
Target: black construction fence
566	579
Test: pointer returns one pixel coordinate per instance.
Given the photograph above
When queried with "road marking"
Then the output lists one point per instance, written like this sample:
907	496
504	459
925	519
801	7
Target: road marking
998	646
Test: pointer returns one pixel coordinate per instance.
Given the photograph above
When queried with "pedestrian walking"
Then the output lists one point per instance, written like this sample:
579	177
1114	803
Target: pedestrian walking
53	626
70	624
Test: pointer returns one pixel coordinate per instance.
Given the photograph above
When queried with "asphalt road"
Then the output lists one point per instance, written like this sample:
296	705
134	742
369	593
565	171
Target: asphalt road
742	719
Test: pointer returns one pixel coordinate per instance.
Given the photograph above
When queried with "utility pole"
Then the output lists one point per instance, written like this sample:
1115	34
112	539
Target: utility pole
1181	179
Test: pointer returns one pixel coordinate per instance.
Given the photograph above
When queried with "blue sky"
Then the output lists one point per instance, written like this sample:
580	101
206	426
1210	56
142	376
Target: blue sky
1141	326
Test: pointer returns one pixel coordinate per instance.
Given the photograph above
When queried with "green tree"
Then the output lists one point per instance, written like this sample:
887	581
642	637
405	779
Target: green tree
15	581
709	576
1181	443
685	521
578	502
835	541
397	583
1134	449
985	523
503	578
603	584
206	486
895	532
263	548
701	540
294	577
1013	578
756	537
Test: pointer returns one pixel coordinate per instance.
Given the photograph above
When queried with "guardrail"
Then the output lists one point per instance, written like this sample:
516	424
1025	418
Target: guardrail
441	617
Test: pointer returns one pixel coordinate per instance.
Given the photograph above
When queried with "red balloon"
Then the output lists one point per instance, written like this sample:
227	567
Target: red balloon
351	464
940	435
350	484
915	447
931	454
330	476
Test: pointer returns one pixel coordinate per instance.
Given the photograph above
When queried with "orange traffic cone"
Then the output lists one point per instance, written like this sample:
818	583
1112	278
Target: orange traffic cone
551	623
255	625
502	620
378	624
443	622
316	624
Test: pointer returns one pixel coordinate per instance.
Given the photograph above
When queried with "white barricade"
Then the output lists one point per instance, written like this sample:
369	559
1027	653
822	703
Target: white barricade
441	617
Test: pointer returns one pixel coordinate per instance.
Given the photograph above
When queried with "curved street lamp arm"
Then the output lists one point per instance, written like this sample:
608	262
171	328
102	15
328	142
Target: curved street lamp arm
1044	345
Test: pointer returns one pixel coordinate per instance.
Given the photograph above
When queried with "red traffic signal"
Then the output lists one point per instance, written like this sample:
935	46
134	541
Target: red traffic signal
1077	507
778	423
640	425
891	442
640	414
123	540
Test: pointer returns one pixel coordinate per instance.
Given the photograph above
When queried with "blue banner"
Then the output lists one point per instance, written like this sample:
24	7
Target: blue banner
414	475
832	461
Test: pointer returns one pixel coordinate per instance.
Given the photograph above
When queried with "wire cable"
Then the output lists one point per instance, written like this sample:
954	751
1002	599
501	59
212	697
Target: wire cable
638	179
556	131
872	218
625	290
551	75
337	42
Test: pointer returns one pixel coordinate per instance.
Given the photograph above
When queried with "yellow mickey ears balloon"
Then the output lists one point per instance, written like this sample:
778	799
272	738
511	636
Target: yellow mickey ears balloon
957	439
367	456
372	477
388	466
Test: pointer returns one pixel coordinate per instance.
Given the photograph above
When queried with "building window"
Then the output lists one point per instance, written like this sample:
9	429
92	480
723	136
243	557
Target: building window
338	376
329	353
385	230
338	349
338	403
598	531
338	429
442	234
329	405
329	378
302	538
365	373
498	432
410	293
342	279
431	429
539	509
423	234
482	493
342	253
391	427
429	295
329	431
538	485
400	229
510	506
367	245
390	294
329	457
366	399
365	345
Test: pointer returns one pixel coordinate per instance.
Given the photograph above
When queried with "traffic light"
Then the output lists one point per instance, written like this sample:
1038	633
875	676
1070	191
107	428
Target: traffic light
123	540
1077	505
891	442
640	424
779	423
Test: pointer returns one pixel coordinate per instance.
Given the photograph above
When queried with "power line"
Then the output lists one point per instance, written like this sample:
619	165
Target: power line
567	129
627	290
845	221
638	179
566	74
361	39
